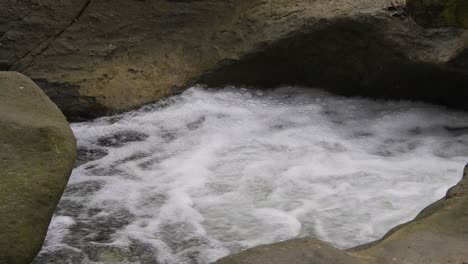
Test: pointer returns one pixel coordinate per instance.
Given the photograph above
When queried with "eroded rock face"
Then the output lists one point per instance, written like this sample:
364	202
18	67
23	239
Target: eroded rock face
37	151
439	234
97	57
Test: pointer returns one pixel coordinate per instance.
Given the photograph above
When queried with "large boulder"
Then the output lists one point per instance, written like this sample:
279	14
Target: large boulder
37	152
97	57
439	234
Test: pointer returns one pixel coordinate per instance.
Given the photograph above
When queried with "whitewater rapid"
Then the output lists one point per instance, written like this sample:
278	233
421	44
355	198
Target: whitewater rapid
211	172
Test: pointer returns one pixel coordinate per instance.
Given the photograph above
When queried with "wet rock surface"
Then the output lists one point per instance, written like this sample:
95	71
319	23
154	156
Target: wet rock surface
85	155
120	138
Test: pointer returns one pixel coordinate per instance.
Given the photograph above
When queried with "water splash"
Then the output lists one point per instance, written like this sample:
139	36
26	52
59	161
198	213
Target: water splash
211	172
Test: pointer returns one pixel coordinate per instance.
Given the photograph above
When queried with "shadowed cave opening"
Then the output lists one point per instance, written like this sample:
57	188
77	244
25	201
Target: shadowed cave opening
347	58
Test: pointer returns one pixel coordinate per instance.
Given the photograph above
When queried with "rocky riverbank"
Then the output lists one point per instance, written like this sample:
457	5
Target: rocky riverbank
94	58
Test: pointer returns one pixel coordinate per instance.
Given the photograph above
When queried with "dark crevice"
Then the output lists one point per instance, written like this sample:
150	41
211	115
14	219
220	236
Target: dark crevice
341	58
67	97
4	66
50	40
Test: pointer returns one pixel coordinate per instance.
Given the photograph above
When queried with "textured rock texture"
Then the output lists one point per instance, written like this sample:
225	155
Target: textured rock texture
94	57
37	151
439	234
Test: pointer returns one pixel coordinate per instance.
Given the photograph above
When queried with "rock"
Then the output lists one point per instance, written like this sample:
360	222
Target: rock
439	234
440	13
85	155
121	138
37	151
298	251
98	57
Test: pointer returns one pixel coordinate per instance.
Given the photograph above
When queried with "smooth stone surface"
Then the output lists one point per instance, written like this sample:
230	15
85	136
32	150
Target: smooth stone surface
37	152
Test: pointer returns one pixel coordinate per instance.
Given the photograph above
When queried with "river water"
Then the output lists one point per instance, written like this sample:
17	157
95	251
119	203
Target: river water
211	172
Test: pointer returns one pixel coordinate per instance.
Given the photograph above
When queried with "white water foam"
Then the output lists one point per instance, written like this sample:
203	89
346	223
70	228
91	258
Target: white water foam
212	172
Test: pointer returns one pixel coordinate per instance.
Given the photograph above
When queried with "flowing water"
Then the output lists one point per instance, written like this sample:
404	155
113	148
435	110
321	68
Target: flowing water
211	172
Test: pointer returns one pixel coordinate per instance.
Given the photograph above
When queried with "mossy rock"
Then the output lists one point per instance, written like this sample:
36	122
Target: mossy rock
37	152
440	13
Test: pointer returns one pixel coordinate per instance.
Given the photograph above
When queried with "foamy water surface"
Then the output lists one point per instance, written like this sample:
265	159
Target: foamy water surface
211	172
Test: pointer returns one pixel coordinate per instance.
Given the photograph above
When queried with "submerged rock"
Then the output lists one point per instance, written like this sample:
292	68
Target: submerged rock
98	57
121	138
86	155
439	234
37	151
